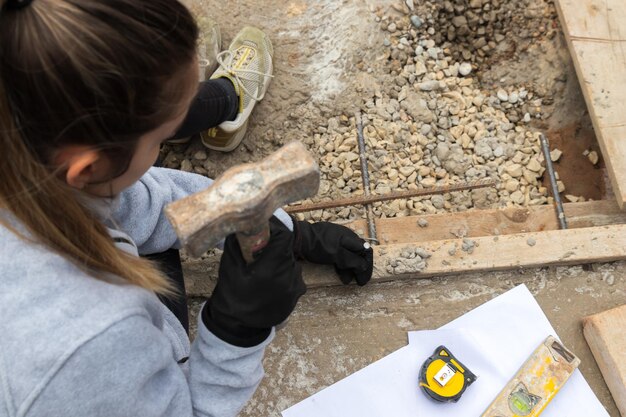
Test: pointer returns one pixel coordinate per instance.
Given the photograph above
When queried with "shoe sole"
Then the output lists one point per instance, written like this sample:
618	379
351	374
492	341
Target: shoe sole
178	141
236	140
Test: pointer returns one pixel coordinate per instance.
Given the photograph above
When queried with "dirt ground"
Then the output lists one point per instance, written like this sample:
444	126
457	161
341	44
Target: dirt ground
332	57
312	66
336	331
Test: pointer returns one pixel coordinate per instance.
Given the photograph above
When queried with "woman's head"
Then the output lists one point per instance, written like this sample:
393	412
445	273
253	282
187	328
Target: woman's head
95	73
93	81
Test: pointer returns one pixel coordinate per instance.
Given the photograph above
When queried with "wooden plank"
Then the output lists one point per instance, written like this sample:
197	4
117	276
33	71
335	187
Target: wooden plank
613	142
493	253
596	35
606	335
199	274
475	223
595	19
601	79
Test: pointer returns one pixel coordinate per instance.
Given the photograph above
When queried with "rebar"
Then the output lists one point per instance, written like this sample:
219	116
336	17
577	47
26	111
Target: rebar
363	200
371	225
555	188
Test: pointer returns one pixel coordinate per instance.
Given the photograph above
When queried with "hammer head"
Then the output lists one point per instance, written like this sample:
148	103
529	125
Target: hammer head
244	197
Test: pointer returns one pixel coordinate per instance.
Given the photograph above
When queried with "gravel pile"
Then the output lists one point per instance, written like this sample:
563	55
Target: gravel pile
480	30
433	124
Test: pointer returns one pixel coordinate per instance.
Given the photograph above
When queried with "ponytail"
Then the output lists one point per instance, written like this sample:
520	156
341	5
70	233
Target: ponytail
53	216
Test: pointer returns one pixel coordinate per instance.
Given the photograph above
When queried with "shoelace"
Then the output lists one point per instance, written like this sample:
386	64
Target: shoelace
225	59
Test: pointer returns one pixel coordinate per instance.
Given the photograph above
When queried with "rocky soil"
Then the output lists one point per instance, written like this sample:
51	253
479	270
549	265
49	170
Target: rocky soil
450	91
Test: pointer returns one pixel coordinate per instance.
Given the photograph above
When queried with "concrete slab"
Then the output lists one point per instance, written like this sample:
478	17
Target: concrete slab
336	331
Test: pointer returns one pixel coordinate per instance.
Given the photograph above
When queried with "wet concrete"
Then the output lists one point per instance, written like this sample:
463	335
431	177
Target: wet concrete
336	331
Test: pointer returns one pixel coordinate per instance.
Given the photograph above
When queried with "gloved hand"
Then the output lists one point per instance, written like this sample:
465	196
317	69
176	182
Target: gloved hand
249	299
333	244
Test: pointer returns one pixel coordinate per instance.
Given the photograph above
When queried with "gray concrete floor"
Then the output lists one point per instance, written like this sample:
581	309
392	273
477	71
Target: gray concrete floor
336	331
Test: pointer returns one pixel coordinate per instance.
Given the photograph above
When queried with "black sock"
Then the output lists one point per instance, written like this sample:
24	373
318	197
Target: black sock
216	102
233	98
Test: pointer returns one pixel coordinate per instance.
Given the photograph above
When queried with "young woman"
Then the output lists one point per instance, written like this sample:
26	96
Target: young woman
89	89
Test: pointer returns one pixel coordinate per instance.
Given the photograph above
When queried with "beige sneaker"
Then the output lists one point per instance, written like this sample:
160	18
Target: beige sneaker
209	45
247	63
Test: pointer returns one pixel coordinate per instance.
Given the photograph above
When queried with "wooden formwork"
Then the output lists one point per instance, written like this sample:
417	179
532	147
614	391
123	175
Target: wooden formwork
596	36
494	240
502	240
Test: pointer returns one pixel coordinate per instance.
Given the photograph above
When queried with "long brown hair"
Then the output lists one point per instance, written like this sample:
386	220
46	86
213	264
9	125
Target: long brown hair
91	72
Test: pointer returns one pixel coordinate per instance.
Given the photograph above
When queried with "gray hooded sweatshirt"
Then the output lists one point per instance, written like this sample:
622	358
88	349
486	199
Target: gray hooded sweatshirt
73	345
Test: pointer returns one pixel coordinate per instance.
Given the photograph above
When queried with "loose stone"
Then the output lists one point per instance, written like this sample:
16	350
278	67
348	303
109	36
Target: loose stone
420	68
502	95
416	21
534	165
468	245
186	165
514	170
437	201
517	197
465	69
428	182
407	170
429	85
511	185
555	155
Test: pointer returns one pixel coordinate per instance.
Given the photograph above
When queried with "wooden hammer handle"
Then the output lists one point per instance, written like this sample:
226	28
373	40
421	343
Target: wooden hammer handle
253	241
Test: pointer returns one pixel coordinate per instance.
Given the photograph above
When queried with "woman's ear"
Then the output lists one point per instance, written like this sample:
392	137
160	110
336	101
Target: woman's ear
83	165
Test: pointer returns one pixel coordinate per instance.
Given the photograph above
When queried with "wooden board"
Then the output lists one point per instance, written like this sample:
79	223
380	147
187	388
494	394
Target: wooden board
493	253
596	35
518	224
476	223
606	335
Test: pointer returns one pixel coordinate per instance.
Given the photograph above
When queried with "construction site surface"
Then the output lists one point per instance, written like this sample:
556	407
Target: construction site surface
451	92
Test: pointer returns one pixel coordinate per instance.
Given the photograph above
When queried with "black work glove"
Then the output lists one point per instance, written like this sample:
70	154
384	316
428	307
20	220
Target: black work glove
249	299
333	244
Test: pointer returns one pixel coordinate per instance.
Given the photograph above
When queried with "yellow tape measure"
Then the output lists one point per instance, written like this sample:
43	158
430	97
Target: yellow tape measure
443	378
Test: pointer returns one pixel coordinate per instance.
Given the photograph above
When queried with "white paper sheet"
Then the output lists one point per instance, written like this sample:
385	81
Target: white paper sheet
492	340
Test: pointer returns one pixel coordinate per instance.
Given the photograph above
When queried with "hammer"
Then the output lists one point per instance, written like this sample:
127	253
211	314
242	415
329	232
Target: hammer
242	200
